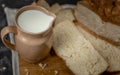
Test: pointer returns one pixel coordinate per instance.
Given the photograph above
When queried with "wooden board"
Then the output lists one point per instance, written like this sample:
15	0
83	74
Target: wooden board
53	62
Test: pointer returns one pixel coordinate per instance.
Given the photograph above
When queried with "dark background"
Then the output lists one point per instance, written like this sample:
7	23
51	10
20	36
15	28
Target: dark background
20	3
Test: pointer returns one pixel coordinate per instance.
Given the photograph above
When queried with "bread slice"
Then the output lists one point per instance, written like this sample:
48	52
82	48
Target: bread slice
55	8
93	22
63	15
78	53
109	52
44	4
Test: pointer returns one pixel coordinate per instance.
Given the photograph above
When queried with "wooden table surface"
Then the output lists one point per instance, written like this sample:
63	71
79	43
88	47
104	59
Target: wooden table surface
53	63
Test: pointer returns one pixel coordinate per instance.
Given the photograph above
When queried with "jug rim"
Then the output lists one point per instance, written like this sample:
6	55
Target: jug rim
34	7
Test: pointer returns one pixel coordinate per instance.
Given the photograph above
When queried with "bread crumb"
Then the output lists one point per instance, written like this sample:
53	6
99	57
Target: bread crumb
3	5
4	68
27	72
56	72
117	40
42	65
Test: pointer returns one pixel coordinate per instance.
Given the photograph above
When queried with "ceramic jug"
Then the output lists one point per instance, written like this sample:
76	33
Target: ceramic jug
33	47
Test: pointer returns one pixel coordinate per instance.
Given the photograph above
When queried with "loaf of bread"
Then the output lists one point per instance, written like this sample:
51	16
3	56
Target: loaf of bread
78	53
64	14
109	52
93	22
44	4
55	8
109	10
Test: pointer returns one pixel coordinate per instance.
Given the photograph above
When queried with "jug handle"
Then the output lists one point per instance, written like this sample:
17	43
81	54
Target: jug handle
6	30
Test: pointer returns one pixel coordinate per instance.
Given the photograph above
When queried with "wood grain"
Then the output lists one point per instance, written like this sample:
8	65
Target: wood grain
53	62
